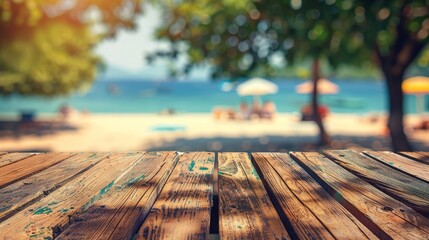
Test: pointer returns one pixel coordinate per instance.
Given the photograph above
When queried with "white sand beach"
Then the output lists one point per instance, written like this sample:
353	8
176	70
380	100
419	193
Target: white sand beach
201	132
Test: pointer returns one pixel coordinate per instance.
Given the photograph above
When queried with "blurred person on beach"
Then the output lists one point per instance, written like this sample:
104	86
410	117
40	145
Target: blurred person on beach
307	112
65	111
256	109
268	110
245	111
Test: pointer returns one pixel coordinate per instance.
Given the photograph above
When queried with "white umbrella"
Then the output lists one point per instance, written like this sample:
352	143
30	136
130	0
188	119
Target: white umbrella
256	87
324	86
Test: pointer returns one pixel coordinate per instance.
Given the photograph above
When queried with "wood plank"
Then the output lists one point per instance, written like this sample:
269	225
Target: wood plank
22	193
6	159
310	211
403	164
122	211
29	166
46	218
245	209
418	156
384	216
409	190
182	210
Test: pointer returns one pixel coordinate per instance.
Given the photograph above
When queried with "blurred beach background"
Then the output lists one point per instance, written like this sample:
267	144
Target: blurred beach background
134	104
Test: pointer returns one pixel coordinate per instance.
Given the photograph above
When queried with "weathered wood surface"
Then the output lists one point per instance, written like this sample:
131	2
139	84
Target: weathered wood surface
311	212
182	210
31	165
403	164
384	216
28	190
6	159
168	195
418	156
48	217
121	212
245	209
412	191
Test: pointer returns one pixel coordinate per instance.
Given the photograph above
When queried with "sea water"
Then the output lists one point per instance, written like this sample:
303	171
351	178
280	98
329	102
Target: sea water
134	96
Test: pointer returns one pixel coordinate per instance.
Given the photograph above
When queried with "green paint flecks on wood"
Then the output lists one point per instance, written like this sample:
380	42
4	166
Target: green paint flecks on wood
26	226
63	210
203	169
43	210
254	173
52	203
191	166
220	173
106	188
98	196
35	235
134	180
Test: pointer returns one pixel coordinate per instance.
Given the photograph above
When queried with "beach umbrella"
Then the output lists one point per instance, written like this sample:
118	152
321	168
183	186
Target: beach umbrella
324	86
256	87
418	86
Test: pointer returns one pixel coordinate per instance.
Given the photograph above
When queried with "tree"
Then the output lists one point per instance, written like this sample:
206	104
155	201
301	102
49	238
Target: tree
47	45
397	31
239	38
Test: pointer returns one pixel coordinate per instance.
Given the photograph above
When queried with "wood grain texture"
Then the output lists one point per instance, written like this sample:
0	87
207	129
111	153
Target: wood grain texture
384	216
311	212
6	159
411	191
48	217
418	156
403	164
245	209
31	165
182	210
29	190
121	212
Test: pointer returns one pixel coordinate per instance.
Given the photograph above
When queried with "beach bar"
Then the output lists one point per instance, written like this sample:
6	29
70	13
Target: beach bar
333	194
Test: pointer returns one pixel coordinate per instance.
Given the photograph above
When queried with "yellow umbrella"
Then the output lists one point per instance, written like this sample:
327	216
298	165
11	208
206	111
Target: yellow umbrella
418	86
324	86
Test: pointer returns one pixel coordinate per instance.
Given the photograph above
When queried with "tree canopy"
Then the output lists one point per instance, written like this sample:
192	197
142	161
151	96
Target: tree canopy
255	34
46	46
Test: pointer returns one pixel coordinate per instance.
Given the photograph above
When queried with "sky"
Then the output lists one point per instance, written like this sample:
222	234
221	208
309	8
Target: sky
128	49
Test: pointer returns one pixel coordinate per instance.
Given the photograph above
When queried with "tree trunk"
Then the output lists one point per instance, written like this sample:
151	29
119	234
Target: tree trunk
323	136
396	111
403	51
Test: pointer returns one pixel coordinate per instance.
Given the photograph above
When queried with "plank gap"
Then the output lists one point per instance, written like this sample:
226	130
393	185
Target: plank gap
417	170
373	227
409	190
422	157
214	212
36	193
277	206
16	170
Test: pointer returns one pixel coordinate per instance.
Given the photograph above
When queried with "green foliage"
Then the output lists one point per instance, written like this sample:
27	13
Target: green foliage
50	61
46	46
268	34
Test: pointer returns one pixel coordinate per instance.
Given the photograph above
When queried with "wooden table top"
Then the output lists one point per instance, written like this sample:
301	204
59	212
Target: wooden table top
204	195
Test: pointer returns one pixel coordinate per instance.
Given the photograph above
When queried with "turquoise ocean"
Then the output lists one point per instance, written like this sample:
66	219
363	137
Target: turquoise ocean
134	96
